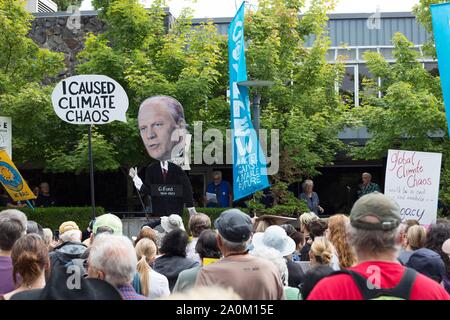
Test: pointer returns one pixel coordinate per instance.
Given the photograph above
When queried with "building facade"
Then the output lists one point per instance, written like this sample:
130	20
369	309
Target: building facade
34	6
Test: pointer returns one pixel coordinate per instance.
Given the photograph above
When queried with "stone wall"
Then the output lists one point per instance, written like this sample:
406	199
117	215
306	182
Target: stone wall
61	32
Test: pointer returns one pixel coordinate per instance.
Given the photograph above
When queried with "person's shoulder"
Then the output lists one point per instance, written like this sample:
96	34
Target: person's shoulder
425	288
189	262
152	166
219	265
32	294
263	262
188	273
159	277
174	166
333	287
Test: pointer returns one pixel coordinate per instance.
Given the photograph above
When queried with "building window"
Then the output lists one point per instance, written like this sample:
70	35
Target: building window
349	87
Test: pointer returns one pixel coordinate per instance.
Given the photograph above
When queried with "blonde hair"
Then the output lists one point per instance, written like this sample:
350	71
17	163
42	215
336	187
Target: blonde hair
306	218
338	235
261	225
199	222
145	251
205	293
322	250
416	237
146	232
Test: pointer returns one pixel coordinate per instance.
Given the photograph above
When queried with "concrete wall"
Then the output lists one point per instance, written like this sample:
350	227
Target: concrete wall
132	226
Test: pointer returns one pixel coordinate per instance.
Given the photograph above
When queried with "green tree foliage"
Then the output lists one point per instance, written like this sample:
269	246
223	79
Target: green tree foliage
21	60
24	67
303	102
410	115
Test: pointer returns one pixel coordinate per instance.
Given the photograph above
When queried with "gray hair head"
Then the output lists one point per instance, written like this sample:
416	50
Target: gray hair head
217	173
115	256
374	242
13	225
174	106
366	174
234	247
48	236
306	183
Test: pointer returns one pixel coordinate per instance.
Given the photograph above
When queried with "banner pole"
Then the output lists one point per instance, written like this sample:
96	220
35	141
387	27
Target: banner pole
91	171
29	204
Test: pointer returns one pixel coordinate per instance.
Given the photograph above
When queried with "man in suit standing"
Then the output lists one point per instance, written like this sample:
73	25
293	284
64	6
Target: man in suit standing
163	130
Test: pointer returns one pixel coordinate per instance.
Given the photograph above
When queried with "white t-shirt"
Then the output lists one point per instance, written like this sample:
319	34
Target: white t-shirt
190	250
159	285
335	261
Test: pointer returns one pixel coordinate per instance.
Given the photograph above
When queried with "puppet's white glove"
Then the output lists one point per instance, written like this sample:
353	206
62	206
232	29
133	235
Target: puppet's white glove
137	181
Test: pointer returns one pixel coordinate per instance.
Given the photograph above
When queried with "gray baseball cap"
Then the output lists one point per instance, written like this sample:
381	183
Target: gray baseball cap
379	206
234	225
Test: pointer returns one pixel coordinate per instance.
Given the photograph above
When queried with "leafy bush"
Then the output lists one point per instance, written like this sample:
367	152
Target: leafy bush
54	216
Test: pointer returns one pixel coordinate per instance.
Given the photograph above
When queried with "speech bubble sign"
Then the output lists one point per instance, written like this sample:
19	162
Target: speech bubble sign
90	99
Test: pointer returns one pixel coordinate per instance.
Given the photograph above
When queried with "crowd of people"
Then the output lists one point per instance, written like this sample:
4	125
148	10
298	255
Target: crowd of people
369	254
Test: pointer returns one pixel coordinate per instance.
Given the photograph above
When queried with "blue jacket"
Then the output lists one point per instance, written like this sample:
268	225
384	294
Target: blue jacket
313	202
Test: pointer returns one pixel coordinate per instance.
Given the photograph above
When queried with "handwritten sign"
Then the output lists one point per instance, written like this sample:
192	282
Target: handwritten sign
412	179
90	99
12	181
5	135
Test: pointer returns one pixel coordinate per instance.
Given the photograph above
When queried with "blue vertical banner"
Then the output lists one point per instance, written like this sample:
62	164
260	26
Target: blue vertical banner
440	14
249	163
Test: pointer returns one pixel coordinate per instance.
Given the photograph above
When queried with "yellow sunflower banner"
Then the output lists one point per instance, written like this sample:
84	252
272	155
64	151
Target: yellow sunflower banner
12	181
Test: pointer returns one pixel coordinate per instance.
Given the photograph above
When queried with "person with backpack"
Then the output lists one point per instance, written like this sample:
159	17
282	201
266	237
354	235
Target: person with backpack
70	251
375	236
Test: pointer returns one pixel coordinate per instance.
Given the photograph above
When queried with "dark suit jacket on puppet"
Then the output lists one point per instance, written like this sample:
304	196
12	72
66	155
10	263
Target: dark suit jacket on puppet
165	206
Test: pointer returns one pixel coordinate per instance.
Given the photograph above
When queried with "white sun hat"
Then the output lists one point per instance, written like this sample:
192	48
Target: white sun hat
276	238
172	222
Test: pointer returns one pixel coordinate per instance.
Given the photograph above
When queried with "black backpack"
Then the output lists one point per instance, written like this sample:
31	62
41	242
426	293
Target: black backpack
60	259
401	292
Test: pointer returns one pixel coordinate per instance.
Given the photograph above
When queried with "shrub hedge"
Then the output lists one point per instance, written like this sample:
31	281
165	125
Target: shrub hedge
53	217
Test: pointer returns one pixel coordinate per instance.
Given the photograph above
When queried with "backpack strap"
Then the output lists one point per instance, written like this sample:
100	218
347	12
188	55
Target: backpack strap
402	290
404	287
